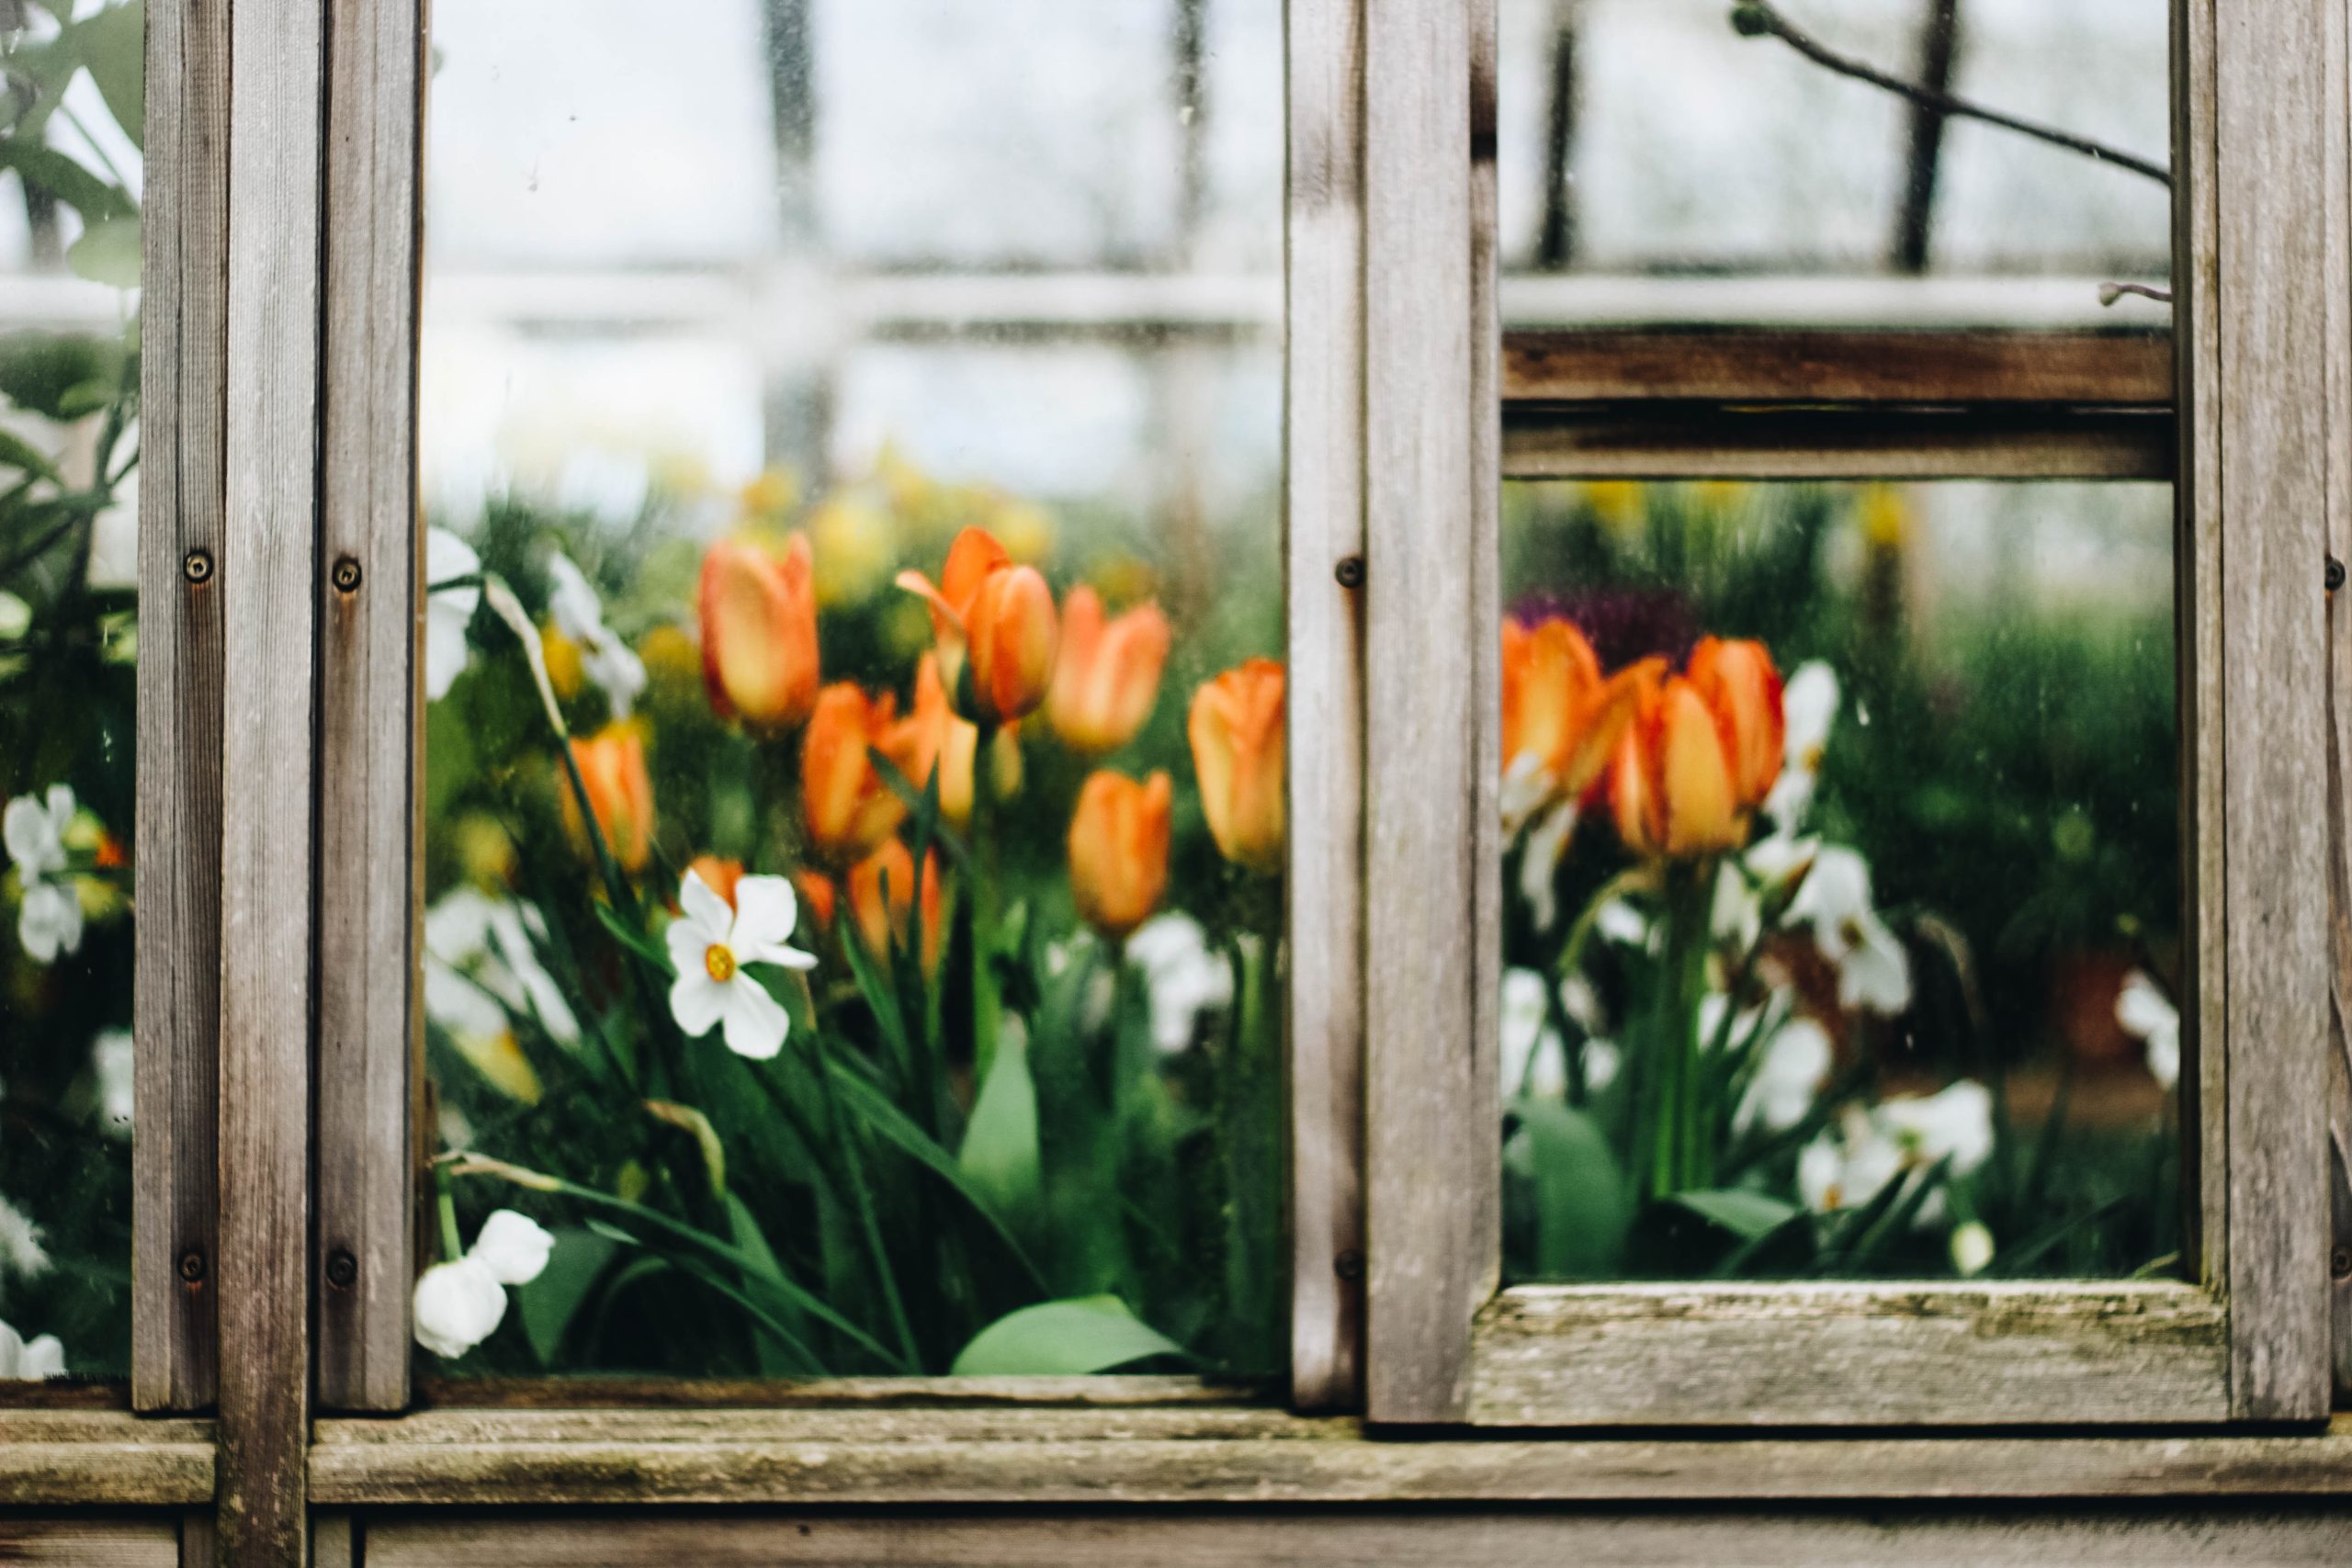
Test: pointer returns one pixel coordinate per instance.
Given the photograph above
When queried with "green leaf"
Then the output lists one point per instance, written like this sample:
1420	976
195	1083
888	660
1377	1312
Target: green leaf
895	1127
1000	1152
637	941
1582	1206
1746	1214
16	452
60	376
778	1357
1070	1339
113	44
108	253
46	169
548	1304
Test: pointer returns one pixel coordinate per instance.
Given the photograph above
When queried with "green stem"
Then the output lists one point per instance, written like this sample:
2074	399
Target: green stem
1253	1145
986	1004
854	1171
452	1247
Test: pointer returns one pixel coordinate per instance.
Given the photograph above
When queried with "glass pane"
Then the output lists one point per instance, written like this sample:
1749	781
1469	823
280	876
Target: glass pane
1679	160
1843	893
848	394
68	564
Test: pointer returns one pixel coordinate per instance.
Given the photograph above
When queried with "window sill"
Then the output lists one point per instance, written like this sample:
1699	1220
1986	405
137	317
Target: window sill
103	1458
1163	1455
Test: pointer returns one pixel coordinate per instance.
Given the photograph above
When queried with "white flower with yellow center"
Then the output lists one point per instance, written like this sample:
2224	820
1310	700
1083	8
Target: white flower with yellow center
712	946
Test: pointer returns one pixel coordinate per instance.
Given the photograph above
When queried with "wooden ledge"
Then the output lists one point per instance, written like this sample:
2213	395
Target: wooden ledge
1164	1456
103	1458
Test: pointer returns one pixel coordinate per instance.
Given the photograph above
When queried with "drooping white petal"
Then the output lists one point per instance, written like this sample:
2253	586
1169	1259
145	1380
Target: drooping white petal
1875	973
459	1006
1820	1166
1737	916
765	911
446	647
113	1061
49	922
1540	860
1620	922
35	833
1796	1065
1834	896
613	665
1523	1015
457	1306
21	1251
1185	978
696	1000
756	1022
536	986
513	1247
1809	707
1971	1249
1954	1123
448	555
1527	784
22	1362
709	915
572	600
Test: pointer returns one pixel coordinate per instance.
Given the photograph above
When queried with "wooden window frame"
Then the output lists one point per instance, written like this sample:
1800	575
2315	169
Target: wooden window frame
2260	497
279	1029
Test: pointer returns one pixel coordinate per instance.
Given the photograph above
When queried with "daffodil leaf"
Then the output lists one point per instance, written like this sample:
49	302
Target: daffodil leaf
1582	1207
897	1128
1746	1214
1070	1337
1000	1152
632	938
777	1357
548	1304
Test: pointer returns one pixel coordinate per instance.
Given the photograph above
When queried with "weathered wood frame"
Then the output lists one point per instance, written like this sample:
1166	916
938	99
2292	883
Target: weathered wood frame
2261	431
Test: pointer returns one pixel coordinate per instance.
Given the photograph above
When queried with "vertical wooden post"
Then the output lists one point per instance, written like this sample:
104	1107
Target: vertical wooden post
1324	549
1482	1151
269	586
1423	733
371	710
181	549
2338	340
2253	269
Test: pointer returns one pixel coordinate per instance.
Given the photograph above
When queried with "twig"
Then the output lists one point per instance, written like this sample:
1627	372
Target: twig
1759	18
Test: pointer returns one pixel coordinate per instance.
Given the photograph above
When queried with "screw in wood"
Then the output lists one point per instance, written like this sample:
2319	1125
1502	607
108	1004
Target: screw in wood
2335	574
2339	1263
343	1269
192	1266
346	575
1349	1266
1350	571
197	567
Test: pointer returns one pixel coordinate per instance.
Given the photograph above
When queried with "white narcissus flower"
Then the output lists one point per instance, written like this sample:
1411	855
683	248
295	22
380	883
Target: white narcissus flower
579	615
1796	1064
23	1360
477	948
1809	707
2148	1015
113	1061
1534	1059
1954	1123
711	947
1183	978
459	1304
20	1243
49	917
1539	861
1971	1249
1873	970
448	610
1847	1168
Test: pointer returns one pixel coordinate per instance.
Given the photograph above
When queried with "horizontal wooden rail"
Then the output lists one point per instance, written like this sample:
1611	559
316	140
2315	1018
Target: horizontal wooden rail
1924	368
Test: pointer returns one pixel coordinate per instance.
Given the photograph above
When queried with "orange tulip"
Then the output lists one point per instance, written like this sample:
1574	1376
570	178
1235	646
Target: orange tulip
1108	675
1672	781
1118	849
621	793
849	809
1738	682
720	876
1561	719
932	736
998	616
818	895
1237	732
758	631
882	896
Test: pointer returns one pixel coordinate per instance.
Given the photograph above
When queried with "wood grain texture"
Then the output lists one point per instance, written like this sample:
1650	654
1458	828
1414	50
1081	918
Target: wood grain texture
2110	369
2269	84
1829	1355
1091	1393
271	597
1482	1151
1717	441
176	1001
1324	523
583	1458
370	1067
90	1542
199	1542
2338	340
1423	729
50	1457
334	1542
2025	1537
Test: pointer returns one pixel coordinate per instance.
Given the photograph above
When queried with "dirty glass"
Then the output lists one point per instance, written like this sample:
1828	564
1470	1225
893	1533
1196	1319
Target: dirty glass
70	127
1727	161
851	452
1842	933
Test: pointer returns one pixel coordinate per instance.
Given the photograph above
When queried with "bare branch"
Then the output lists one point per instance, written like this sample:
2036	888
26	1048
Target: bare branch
1759	18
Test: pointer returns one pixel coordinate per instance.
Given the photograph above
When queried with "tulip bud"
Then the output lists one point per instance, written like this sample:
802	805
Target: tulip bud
1739	683
720	876
818	895
1118	849
758	631
882	897
1237	732
850	811
1108	674
1671	782
621	793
